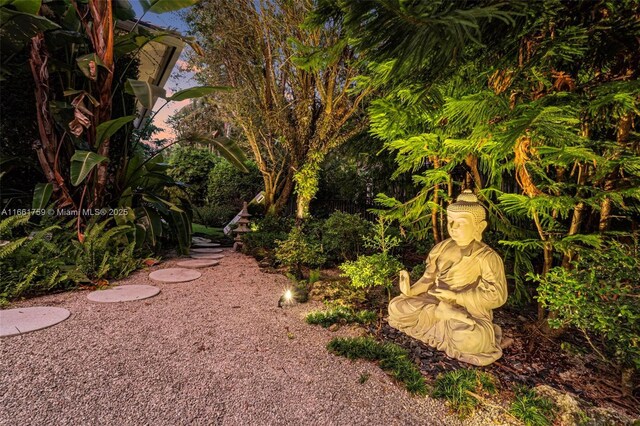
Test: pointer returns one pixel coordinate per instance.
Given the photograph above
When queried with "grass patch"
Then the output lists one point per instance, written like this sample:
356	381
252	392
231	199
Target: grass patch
207	230
340	315
363	378
463	389
391	358
531	408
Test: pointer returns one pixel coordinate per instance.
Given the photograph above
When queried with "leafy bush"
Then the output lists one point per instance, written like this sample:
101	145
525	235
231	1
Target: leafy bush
191	165
599	295
392	358
265	233
106	254
340	315
36	262
214	215
377	270
461	388
532	409
299	250
343	236
314	276
227	186
338	293
382	238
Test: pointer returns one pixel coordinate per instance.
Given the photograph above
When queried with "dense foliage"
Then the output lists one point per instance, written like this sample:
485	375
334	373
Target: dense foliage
34	261
599	294
83	68
191	166
297	95
343	236
45	257
299	250
534	106
230	187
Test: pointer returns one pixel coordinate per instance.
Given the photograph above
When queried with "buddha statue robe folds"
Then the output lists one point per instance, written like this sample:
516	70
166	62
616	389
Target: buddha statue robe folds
450	307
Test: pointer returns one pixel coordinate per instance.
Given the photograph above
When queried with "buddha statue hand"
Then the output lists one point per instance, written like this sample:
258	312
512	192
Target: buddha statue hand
405	283
444	295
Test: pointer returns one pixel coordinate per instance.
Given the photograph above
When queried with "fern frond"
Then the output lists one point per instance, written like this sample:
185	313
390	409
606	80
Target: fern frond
523	245
8	249
12	222
474	110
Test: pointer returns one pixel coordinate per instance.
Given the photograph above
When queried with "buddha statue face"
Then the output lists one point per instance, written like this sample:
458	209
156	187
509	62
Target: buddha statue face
466	219
463	228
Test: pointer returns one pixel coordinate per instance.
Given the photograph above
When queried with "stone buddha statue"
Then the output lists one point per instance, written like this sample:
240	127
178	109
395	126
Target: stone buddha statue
450	307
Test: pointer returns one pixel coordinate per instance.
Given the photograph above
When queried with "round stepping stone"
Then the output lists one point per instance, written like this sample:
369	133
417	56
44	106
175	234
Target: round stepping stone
206	250
197	263
175	275
23	320
207	256
123	293
199	245
199	240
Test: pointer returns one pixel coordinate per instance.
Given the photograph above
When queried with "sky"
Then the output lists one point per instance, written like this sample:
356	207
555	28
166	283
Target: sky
171	20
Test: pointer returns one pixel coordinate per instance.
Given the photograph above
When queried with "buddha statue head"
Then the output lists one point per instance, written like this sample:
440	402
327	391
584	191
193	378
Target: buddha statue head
466	219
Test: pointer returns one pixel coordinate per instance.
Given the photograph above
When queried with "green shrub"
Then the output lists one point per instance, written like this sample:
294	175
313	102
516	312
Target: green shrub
191	166
381	238
214	215
340	315
461	388
35	262
299	250
599	295
532	409
264	234
391	357
343	236
106	254
314	276
229	187
377	270
339	292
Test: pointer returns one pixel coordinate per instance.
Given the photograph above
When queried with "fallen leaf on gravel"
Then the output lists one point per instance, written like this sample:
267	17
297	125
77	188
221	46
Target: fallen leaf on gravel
150	262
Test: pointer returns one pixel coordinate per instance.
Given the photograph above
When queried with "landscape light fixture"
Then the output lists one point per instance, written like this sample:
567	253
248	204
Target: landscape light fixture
286	299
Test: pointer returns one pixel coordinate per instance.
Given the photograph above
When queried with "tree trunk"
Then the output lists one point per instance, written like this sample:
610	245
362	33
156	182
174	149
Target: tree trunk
47	147
103	39
472	162
624	128
269	194
285	193
434	210
577	216
576	221
547	252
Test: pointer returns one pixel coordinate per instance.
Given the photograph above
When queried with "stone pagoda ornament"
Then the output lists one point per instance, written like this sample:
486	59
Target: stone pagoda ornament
450	307
242	227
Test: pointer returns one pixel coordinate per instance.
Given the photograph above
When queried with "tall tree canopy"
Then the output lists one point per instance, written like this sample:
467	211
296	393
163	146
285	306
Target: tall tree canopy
296	93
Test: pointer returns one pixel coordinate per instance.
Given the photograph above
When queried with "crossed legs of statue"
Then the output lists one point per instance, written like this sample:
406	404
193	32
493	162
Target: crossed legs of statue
446	328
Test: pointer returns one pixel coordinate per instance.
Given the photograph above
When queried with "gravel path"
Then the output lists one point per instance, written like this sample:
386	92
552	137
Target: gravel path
215	351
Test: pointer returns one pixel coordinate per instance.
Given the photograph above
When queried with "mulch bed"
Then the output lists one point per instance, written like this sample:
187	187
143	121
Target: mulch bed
531	360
